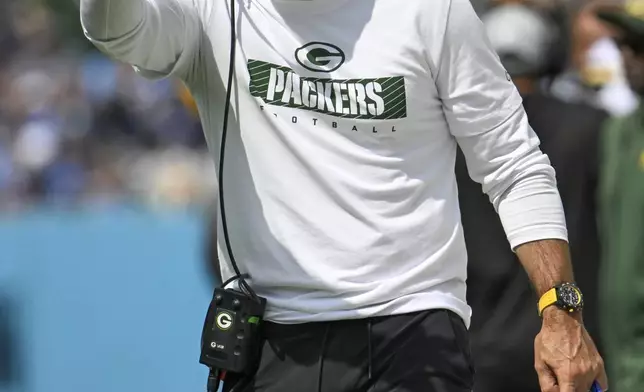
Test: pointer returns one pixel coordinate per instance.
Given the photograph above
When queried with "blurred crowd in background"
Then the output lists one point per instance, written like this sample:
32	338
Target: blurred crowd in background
79	130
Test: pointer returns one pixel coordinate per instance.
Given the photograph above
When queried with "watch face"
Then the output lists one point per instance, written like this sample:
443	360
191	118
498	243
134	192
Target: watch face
570	296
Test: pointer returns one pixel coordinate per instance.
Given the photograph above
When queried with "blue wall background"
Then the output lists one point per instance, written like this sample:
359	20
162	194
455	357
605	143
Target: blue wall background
109	301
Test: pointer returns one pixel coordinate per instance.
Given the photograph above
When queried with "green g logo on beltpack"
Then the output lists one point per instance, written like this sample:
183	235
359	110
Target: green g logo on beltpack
224	320
320	57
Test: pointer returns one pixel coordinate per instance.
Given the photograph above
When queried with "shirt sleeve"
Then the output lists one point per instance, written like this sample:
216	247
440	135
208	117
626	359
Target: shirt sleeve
158	37
485	114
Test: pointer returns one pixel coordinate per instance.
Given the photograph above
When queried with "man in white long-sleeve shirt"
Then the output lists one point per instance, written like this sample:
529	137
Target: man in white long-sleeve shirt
340	180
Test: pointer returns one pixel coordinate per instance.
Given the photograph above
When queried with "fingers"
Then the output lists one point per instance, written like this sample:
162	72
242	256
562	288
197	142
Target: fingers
566	381
573	378
602	379
576	380
569	387
581	381
547	379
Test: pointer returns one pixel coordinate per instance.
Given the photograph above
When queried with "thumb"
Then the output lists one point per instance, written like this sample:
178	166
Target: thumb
547	379
603	380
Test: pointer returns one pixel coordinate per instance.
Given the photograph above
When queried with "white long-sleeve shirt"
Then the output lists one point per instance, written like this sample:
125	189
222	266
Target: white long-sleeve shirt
339	178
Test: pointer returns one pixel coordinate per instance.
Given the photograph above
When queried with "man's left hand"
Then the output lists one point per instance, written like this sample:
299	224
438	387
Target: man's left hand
566	359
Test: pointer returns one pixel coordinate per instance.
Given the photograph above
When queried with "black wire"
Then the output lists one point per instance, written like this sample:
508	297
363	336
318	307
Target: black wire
213	381
231	71
213	377
234	278
325	337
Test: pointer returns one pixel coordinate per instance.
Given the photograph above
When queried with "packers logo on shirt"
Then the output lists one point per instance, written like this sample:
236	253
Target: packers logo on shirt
320	57
364	99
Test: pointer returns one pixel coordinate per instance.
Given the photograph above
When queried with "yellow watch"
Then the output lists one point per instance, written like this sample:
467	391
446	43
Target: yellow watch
566	296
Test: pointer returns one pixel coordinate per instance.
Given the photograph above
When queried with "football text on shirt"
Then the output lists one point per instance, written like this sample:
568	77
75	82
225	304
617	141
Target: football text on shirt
362	99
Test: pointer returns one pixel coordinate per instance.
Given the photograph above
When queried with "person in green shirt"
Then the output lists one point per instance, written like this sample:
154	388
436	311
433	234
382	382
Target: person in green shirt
622	216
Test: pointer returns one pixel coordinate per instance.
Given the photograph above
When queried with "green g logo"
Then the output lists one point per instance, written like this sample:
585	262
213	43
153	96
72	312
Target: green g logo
224	320
320	57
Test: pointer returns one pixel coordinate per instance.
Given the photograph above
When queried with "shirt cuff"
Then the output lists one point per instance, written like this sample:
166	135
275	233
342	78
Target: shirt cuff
532	210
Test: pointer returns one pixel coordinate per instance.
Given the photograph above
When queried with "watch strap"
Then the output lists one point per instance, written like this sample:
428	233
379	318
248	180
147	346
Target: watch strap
547	299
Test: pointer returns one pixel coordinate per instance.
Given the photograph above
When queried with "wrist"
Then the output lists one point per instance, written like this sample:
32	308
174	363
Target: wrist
555	315
565	297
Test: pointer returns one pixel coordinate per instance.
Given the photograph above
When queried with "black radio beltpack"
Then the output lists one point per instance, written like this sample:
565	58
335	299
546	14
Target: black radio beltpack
231	339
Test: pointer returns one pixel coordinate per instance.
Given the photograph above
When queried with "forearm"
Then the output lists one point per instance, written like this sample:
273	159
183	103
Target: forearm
547	263
110	19
534	220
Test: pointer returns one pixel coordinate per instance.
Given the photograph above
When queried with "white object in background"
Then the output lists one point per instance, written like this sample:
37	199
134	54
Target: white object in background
36	145
605	67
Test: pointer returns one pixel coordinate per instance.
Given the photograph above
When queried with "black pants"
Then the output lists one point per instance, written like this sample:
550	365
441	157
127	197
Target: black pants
417	352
